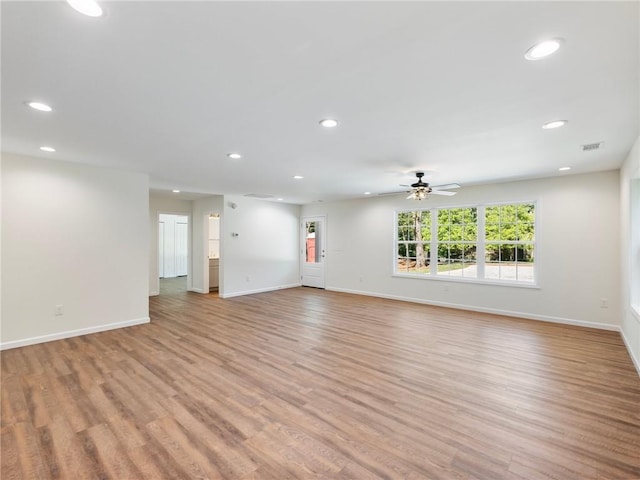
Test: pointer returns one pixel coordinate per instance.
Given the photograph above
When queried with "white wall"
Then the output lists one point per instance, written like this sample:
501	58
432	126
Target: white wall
577	257
630	251
76	236
265	254
161	204
202	208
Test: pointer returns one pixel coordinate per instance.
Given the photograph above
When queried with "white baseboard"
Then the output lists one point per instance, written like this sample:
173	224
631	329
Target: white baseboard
197	290
496	311
259	290
72	333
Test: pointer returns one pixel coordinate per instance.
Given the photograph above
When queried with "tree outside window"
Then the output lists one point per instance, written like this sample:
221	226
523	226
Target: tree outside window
455	242
414	239
509	242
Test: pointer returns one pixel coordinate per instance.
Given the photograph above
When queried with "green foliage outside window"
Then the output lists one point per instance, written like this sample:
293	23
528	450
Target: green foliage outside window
414	235
457	233
505	224
508	234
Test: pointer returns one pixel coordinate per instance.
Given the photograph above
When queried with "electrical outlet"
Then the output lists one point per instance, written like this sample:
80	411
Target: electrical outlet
59	310
361	279
247	278
445	288
604	303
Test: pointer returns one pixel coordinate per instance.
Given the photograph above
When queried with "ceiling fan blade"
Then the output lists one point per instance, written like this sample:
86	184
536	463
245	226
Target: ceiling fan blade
442	192
448	186
392	193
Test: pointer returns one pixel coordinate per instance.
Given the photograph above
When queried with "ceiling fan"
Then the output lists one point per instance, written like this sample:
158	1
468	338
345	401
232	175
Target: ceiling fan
421	190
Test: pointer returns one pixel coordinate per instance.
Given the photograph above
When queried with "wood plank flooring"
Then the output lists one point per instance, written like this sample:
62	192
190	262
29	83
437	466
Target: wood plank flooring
173	286
308	384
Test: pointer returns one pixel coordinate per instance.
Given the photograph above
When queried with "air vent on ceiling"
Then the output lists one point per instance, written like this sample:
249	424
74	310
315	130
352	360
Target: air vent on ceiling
258	195
592	146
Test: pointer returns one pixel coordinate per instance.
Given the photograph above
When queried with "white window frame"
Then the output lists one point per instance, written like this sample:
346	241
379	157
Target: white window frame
397	242
436	242
480	247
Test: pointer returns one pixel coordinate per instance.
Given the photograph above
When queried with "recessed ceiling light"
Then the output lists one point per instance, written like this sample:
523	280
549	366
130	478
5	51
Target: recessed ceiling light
234	155
329	123
554	124
47	149
298	177
367	193
543	49
89	8
175	191
564	169
280	199
43	107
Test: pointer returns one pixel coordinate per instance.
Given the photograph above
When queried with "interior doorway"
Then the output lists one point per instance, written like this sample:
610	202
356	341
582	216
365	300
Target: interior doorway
173	253
312	251
212	222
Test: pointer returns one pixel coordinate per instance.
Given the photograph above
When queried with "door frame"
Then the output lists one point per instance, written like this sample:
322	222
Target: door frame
205	253
323	245
156	229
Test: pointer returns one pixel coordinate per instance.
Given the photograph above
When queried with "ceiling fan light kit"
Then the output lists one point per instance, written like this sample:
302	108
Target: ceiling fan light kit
419	193
421	190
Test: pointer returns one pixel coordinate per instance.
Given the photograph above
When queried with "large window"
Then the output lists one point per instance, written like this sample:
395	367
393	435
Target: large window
509	243
457	241
414	241
487	243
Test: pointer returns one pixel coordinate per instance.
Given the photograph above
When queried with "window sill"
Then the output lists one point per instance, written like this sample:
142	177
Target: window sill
475	281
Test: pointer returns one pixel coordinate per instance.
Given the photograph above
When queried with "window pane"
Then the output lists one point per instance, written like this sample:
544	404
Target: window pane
470	254
414	258
404	219
313	249
526	213
456	232
443	232
525	232
470	233
508	231
525	271
406	233
492	215
509	262
457	215
508	213
492	231
426	225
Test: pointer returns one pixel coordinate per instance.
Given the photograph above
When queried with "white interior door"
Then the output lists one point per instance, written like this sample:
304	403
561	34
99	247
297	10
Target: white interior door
181	248
312	251
173	249
161	249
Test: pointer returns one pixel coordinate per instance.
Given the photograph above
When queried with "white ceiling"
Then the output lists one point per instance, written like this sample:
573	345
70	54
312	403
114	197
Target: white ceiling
170	88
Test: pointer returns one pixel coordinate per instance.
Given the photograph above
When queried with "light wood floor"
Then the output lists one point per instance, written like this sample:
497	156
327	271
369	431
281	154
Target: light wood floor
308	384
173	286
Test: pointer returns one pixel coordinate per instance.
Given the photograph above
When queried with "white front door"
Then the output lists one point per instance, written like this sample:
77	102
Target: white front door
312	251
